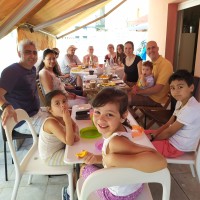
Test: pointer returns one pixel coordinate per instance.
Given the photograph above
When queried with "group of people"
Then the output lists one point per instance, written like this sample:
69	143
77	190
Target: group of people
110	109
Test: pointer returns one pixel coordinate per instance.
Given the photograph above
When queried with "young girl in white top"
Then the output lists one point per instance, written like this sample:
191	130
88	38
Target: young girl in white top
57	130
110	118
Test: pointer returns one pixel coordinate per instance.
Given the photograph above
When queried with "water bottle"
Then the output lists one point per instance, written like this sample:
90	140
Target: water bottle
111	62
107	67
90	63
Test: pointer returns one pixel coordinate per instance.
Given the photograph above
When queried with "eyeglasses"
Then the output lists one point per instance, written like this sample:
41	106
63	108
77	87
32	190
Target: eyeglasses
29	52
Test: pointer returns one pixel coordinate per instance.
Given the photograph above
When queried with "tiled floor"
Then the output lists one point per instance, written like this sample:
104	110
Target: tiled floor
184	186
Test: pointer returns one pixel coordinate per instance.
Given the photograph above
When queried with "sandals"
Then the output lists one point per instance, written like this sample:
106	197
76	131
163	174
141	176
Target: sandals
65	195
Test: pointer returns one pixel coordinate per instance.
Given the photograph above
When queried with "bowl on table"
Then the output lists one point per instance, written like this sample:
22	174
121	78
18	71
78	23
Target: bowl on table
104	78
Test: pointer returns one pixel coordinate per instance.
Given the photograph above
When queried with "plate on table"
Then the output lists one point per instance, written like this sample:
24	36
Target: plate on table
82	107
110	83
76	69
117	82
89	132
122	85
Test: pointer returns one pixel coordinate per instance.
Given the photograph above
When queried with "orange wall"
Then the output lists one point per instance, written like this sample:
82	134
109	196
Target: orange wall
171	32
197	62
157	19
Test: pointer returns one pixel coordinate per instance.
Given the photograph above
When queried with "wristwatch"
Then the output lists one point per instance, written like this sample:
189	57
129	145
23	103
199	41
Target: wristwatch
4	106
152	137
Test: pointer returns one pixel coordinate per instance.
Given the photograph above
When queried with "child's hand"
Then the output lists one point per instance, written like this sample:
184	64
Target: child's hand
66	116
77	138
90	159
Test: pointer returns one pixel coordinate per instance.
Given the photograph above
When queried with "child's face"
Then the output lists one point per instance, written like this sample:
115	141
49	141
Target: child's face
107	119
146	71
181	91
58	104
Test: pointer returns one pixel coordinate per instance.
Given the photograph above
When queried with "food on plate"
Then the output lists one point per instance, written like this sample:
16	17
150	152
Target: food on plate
137	130
81	154
111	83
76	69
103	76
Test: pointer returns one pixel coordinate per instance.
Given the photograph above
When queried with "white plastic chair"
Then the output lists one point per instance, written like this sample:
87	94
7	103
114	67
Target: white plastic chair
189	158
31	163
123	176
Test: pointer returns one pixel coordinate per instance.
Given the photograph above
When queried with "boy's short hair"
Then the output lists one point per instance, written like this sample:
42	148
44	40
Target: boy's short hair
148	64
182	75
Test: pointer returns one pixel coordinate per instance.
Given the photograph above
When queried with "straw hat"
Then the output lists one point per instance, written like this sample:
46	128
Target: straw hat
71	47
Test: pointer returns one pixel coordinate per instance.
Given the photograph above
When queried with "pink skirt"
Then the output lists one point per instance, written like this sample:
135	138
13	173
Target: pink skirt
104	193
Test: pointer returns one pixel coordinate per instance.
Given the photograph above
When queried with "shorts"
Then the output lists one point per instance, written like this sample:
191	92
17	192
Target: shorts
37	121
166	149
105	193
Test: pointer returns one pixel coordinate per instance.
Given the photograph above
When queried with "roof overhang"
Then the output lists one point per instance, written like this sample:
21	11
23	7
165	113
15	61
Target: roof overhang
50	16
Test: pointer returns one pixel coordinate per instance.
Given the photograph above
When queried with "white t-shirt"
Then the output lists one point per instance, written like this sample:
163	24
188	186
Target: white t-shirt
187	138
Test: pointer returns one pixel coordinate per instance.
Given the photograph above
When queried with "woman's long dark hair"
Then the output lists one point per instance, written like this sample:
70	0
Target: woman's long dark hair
41	66
115	96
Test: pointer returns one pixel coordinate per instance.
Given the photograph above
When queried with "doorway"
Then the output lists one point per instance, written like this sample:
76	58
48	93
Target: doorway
187	39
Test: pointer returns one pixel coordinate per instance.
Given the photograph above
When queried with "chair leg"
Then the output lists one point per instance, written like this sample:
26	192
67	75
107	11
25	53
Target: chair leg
192	170
30	179
16	186
77	170
71	187
5	161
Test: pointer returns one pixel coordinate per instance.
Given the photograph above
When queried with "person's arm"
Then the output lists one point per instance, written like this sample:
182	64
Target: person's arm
152	90
66	134
96	59
168	129
142	80
139	67
46	81
85	60
145	161
91	158
124	153
8	110
78	62
125	77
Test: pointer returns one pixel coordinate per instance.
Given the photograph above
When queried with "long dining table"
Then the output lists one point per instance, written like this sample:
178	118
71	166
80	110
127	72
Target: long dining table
90	144
85	71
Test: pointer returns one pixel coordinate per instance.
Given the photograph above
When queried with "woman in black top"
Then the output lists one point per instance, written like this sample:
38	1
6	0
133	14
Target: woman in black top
132	65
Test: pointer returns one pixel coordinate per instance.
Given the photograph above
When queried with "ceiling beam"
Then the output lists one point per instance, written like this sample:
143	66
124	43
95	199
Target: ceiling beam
91	22
16	16
69	14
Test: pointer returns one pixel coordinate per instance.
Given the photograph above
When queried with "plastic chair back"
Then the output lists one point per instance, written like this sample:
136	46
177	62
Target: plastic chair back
31	163
122	176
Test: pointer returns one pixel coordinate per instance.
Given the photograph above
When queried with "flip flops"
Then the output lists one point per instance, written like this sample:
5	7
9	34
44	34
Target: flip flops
65	195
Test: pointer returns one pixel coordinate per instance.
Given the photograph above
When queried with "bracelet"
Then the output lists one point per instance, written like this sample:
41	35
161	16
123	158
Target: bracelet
152	137
4	106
